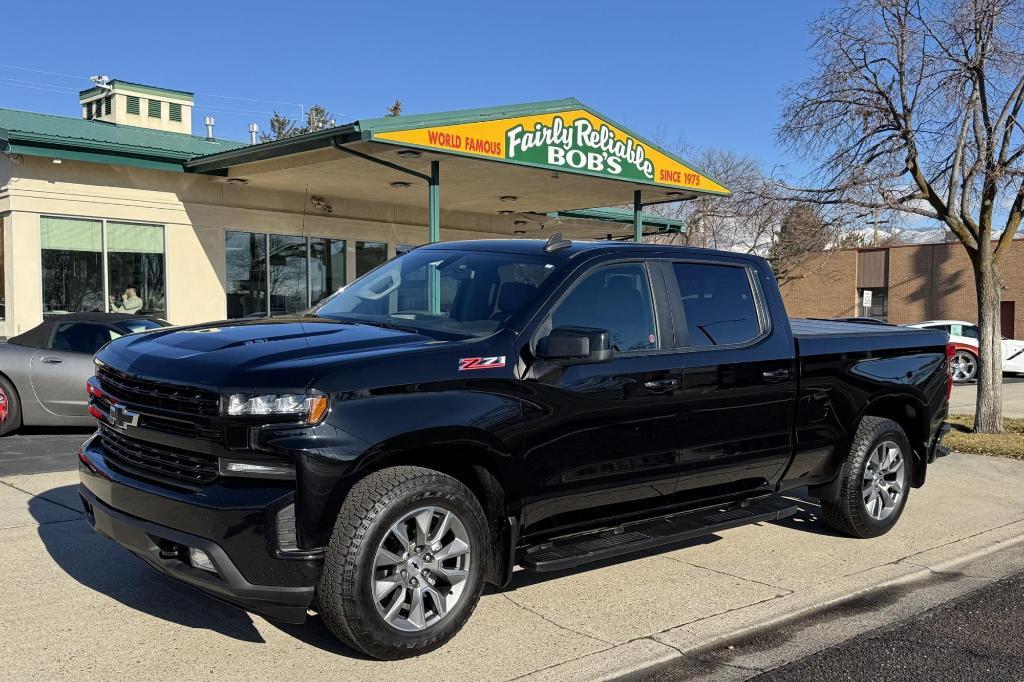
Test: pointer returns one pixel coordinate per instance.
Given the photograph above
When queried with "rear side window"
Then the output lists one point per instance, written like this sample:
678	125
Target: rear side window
968	330
718	304
616	298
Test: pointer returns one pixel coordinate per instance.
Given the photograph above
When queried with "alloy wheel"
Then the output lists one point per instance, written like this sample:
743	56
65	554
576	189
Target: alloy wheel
964	366
421	568
885	480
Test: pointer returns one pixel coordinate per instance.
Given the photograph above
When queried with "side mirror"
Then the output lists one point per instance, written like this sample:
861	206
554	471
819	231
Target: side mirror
576	346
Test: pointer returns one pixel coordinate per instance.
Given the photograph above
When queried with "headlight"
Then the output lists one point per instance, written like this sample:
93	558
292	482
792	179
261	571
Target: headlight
311	407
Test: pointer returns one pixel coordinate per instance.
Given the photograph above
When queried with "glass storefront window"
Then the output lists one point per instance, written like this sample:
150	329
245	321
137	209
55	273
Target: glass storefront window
135	269
72	259
246	265
288	292
3	299
326	268
369	255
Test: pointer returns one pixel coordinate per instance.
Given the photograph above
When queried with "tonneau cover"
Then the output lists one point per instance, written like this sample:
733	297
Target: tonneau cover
826	337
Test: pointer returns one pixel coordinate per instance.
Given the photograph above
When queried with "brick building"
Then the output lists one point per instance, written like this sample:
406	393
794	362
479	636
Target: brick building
901	284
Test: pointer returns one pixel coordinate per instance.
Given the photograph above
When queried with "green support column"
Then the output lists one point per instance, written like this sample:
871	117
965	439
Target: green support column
638	219
434	202
434	230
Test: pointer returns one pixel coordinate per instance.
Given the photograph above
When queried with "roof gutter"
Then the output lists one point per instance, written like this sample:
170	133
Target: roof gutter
218	163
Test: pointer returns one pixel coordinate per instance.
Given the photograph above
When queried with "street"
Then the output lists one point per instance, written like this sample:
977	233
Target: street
974	637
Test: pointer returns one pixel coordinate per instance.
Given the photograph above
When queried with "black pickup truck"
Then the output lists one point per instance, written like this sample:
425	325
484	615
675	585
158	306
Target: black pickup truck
469	407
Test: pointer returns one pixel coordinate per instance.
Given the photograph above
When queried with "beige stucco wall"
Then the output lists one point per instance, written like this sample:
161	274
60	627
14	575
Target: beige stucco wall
196	211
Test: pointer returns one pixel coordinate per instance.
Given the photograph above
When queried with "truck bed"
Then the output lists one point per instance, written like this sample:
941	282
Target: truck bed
821	337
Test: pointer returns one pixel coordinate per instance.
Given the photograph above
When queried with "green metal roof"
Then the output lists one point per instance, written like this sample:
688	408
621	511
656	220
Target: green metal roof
622	215
63	137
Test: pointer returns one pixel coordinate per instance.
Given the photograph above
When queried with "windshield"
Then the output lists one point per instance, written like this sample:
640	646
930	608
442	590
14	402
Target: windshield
449	294
140	324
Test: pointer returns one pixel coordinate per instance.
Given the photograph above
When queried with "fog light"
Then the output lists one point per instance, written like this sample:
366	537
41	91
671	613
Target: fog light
201	559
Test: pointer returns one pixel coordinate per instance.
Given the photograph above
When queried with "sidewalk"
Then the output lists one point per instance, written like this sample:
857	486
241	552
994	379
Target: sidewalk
964	397
75	605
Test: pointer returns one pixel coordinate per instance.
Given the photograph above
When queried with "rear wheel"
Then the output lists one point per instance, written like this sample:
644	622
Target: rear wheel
406	563
964	366
10	408
875	481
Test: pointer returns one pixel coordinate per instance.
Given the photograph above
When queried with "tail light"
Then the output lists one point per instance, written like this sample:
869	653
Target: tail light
950	351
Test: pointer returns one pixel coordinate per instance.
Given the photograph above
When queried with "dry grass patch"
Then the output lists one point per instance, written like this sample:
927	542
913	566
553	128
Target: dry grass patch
1010	443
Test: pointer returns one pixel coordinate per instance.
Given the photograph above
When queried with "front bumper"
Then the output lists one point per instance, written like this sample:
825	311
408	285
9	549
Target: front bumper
229	525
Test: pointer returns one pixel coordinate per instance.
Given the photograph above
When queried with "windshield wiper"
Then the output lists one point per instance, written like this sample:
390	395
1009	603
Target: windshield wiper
383	325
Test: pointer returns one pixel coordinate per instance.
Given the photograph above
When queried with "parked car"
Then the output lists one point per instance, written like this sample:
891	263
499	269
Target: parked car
43	371
472	406
964	337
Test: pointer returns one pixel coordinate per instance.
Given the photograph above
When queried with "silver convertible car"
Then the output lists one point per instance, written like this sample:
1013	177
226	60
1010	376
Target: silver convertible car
43	371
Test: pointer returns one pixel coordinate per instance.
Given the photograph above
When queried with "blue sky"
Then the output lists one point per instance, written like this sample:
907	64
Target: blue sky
706	75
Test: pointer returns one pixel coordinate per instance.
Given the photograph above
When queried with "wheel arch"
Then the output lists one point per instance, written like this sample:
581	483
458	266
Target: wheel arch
911	414
476	459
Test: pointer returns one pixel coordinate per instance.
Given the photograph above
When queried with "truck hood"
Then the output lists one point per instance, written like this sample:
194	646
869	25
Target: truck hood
279	354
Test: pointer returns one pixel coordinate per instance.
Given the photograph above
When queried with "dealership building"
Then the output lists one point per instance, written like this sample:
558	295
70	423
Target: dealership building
124	202
902	284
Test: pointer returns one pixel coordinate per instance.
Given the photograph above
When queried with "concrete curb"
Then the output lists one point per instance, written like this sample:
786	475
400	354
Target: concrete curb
645	655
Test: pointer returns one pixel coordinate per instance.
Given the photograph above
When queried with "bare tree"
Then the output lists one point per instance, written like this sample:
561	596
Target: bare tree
395	109
317	118
913	109
745	222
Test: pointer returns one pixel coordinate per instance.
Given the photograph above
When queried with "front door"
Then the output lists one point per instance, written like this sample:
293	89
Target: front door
598	441
59	373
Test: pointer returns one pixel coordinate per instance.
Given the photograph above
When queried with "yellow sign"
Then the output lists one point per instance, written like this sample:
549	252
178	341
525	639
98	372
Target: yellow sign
574	141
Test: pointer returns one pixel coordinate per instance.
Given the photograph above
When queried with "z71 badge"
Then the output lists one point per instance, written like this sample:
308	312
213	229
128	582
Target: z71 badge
481	363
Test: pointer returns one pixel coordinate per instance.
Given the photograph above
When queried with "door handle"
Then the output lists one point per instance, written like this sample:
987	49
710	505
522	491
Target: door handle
661	384
775	374
52	360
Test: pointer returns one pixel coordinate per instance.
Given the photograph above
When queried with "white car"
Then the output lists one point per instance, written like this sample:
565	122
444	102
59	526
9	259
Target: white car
964	337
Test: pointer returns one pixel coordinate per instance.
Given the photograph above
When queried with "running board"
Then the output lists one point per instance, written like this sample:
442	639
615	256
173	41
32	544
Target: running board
566	553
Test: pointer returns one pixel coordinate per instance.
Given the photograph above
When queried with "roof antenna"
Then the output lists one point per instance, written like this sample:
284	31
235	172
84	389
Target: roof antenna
556	243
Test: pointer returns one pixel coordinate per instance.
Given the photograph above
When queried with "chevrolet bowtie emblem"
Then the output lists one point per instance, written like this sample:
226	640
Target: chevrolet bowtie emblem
121	417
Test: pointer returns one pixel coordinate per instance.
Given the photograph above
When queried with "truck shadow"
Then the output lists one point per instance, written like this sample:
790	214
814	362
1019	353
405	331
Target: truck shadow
103	566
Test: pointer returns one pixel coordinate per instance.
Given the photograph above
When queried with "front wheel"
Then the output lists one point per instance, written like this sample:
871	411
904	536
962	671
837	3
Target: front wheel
10	408
875	481
406	563
964	366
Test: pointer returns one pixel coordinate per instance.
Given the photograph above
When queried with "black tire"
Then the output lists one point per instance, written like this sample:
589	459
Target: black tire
373	505
849	513
10	418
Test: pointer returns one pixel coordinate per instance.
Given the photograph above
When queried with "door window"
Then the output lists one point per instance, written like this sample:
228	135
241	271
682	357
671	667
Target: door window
718	304
81	337
968	330
616	298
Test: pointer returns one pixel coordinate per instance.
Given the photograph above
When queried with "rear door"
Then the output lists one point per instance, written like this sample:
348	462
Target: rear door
59	373
738	379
